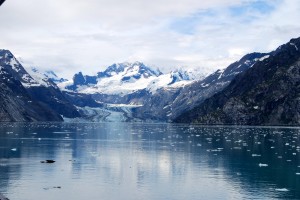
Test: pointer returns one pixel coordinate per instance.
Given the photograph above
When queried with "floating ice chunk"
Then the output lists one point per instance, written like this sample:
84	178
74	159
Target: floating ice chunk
256	155
297	173
14	149
263	165
282	189
237	148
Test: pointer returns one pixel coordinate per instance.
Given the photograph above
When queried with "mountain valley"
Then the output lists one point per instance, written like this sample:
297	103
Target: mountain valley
258	89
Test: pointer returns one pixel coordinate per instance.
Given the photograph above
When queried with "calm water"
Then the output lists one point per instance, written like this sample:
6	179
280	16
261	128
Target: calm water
148	161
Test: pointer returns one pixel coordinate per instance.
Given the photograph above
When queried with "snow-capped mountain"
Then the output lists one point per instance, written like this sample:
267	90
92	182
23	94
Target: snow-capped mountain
126	78
16	68
129	70
16	104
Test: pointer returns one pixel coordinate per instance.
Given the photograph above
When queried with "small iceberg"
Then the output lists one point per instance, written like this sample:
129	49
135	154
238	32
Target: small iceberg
263	165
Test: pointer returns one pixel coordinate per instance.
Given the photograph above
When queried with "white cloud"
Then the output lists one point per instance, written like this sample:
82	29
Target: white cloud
87	35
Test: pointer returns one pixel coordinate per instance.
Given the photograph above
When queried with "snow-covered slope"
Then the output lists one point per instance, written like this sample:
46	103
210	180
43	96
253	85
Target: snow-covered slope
40	77
49	74
175	79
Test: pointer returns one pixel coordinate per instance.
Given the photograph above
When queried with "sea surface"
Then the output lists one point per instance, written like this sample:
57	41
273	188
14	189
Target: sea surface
131	161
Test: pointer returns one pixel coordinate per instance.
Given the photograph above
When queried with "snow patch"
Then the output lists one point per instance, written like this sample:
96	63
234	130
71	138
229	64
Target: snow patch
221	71
294	46
264	57
255	107
39	79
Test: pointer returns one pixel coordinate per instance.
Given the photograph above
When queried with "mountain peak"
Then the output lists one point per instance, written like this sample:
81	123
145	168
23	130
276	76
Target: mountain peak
5	51
137	68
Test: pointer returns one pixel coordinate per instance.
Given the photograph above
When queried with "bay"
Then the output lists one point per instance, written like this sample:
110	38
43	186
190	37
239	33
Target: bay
148	161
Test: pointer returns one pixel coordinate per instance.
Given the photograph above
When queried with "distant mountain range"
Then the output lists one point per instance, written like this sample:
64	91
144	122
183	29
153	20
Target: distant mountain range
127	78
259	89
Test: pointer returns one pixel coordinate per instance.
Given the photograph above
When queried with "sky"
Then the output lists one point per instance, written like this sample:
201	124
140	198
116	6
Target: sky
69	36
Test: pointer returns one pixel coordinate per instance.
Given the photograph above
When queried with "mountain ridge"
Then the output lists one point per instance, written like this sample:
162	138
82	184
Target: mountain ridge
166	105
258	89
125	78
266	94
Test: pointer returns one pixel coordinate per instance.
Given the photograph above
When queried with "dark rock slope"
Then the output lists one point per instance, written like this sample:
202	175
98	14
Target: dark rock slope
54	99
266	94
15	102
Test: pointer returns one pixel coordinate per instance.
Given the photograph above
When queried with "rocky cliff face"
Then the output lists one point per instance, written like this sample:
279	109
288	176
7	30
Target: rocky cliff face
15	102
266	94
54	99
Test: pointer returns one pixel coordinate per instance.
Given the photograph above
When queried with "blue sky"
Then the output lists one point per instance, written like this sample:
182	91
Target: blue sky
262	7
88	35
245	13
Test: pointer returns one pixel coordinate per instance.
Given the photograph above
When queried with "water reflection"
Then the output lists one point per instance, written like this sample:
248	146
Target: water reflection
148	161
